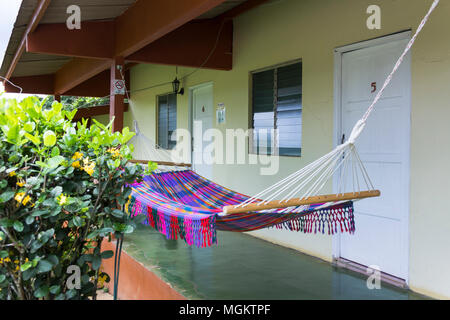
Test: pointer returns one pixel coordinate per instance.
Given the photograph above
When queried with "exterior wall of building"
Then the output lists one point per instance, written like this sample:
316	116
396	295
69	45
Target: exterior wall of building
285	30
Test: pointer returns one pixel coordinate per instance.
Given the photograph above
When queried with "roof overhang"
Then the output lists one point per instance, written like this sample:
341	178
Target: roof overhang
44	56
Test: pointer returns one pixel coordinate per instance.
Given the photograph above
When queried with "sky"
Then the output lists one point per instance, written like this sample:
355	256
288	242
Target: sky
8	15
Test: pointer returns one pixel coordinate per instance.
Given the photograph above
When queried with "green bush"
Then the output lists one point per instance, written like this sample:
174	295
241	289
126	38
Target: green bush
62	190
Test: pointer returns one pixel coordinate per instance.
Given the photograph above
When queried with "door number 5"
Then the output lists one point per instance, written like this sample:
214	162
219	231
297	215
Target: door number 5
373	85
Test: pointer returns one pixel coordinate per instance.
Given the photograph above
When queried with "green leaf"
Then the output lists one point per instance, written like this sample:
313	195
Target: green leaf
28	274
13	133
29	220
107	254
56	289
18	226
29	126
26	266
5	222
2	278
71	293
49	138
56	191
41	292
44	266
55	161
6	196
55	152
96	262
3	254
77	221
53	259
117	213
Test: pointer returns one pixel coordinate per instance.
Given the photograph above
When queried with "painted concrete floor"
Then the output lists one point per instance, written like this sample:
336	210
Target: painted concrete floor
244	267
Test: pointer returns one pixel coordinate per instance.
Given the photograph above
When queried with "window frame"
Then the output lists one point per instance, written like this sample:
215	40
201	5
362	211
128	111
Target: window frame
157	117
251	113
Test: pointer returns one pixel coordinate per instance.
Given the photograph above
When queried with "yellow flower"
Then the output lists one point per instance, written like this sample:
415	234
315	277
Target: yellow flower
101	280
76	164
7	259
115	152
26	200
17	268
1	260
62	199
77	155
12	173
86	161
16	261
26	260
89	168
20	183
19	197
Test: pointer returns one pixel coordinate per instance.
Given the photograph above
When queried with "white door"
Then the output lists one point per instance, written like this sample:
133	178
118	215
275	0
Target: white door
203	117
381	237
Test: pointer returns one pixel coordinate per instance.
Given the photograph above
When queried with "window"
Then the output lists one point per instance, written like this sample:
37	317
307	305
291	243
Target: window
277	104
167	120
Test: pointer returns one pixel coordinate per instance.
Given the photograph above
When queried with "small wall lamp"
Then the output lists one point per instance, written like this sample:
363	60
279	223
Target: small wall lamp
176	87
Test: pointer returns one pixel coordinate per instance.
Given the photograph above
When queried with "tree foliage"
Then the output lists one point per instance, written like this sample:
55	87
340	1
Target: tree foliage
63	188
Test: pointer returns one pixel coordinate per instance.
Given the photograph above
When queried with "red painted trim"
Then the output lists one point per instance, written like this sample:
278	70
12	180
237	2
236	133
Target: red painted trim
116	101
78	71
97	86
95	39
32	84
136	282
35	18
146	21
190	45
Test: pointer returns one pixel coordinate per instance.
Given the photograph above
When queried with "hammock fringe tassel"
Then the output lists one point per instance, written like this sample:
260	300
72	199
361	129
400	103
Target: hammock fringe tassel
202	232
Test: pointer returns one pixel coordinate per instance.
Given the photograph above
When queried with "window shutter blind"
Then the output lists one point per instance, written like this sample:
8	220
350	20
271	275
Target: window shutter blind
263	110
289	109
172	121
167	120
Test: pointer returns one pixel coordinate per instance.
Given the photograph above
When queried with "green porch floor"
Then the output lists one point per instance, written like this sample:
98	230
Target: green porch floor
244	267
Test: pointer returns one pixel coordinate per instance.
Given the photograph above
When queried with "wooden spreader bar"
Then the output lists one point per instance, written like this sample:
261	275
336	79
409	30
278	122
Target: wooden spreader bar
278	204
163	163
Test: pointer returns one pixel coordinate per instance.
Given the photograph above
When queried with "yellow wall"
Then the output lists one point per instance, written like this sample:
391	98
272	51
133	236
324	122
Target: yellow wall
285	30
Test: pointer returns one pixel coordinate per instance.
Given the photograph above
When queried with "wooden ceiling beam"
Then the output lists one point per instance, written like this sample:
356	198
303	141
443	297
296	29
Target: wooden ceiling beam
191	45
77	71
42	84
34	22
146	21
143	23
94	40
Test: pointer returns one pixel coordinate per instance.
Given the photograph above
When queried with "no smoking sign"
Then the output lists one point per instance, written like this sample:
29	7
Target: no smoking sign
119	87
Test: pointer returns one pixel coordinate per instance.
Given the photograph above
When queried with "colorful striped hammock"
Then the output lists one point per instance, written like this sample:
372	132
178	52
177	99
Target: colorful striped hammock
183	204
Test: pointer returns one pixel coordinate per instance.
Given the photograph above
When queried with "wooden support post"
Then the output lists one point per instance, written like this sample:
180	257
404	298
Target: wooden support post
116	104
58	98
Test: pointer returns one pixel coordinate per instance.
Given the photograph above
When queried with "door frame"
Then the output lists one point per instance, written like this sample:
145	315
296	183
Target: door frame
337	132
191	112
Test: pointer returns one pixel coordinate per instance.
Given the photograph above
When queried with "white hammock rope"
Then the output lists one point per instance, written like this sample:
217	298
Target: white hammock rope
147	149
343	161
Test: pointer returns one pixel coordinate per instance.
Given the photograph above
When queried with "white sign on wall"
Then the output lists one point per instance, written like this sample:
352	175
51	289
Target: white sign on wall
220	113
119	87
